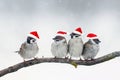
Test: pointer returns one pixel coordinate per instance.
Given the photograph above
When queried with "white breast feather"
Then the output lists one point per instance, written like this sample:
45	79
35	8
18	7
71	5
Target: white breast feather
91	51
28	50
75	47
59	49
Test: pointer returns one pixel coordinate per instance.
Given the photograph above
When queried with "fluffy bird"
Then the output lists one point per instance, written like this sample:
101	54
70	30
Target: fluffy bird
59	45
29	48
75	44
91	47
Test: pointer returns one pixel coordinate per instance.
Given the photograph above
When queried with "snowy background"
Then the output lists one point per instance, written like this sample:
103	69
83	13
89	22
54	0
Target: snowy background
19	17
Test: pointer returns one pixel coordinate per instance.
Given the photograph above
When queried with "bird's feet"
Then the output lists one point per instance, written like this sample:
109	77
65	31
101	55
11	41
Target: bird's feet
55	57
89	59
36	58
42	56
80	59
66	57
24	60
92	59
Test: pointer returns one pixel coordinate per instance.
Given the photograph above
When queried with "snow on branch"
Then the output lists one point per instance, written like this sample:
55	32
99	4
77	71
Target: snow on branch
18	66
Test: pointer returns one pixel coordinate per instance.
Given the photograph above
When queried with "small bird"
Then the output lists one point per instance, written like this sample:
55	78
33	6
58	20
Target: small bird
75	44
29	48
59	47
91	47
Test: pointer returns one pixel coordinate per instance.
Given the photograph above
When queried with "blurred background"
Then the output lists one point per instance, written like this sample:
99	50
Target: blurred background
19	17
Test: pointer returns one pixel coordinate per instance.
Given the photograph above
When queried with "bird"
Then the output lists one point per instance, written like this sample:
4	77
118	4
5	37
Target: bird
29	48
59	47
91	47
75	44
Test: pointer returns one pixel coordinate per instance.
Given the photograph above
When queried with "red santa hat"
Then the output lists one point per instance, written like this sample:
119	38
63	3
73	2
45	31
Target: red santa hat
78	31
34	34
92	36
61	33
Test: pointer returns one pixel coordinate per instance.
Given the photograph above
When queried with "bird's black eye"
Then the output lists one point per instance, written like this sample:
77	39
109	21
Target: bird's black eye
33	40
76	35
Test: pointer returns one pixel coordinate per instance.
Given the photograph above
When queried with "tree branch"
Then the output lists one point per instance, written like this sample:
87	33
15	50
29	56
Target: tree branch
59	60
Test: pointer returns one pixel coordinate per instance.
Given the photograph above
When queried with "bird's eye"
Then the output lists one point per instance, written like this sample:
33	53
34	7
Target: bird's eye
76	35
33	40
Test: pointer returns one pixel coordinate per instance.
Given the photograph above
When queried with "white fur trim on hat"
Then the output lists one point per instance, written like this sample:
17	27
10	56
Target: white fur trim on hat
77	32
30	35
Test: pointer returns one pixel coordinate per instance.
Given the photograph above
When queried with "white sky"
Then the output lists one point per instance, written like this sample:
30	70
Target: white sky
19	17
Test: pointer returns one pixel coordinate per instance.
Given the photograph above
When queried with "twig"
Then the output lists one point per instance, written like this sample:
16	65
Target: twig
18	66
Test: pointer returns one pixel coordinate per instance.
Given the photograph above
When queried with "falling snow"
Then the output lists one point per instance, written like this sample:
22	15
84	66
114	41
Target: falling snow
19	17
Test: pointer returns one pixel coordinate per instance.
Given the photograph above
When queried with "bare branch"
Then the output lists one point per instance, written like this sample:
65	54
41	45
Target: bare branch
58	60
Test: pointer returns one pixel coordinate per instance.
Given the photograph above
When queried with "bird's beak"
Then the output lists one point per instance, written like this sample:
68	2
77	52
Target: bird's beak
54	38
71	34
99	41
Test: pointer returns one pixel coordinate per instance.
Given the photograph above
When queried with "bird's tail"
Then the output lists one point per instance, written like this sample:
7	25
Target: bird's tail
16	51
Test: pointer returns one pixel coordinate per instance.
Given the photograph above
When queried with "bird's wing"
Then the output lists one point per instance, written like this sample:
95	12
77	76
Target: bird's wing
85	46
22	48
37	47
68	45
